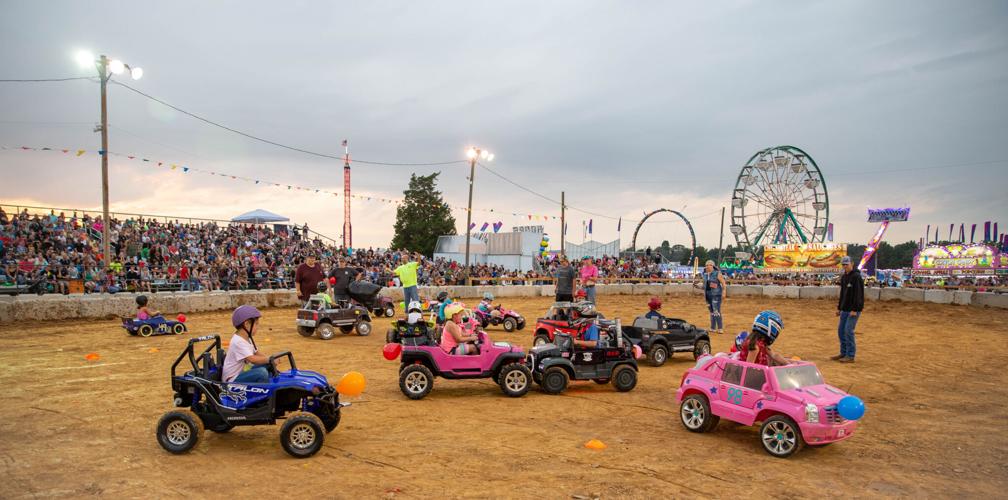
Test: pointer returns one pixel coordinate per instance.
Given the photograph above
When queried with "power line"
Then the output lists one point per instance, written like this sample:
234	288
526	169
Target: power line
274	143
35	80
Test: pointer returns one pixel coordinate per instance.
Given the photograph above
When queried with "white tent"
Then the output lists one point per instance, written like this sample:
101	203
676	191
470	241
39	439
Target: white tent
259	216
592	248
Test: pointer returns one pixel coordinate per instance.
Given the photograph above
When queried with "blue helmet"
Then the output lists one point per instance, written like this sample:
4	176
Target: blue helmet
769	323
740	339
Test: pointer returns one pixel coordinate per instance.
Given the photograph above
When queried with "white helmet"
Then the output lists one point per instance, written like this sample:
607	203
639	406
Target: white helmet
414	305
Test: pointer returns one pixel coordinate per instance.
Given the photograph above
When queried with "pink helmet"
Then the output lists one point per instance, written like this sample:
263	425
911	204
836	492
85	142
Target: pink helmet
243	314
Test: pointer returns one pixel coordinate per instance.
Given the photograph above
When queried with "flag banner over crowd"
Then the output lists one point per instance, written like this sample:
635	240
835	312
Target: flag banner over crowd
187	169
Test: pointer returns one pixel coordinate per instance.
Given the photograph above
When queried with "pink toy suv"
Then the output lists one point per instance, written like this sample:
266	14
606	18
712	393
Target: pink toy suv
501	361
793	403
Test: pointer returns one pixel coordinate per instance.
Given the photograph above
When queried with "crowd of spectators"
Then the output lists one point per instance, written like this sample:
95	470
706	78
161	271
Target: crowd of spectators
54	251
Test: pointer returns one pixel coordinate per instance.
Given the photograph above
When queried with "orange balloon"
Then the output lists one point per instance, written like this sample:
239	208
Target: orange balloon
92	356
595	444
352	384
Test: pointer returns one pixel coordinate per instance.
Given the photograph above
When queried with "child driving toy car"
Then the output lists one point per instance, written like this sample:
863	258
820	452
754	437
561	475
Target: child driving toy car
653	306
453	339
143	313
586	313
756	347
486	305
243	352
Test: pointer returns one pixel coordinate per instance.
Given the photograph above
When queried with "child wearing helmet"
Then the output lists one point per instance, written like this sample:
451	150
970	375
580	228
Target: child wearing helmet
244	362
586	313
142	311
323	293
653	306
486	306
736	348
454	339
756	346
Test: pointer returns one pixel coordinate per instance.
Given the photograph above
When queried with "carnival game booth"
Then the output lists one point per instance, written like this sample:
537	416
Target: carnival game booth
960	260
514	251
819	258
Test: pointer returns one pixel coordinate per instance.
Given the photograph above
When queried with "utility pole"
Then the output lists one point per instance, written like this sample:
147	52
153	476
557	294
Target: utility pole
104	76
720	244
563	222
472	173
347	227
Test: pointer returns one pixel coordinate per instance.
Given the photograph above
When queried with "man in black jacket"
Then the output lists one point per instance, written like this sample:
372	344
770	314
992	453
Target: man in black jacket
849	309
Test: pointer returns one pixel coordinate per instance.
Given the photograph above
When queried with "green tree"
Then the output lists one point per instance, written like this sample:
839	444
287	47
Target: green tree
422	217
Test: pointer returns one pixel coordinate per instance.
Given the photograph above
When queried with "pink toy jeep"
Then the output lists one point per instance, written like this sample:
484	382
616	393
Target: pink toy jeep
501	361
794	404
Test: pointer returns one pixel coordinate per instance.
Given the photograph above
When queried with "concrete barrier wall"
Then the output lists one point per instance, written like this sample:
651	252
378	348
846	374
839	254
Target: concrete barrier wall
62	307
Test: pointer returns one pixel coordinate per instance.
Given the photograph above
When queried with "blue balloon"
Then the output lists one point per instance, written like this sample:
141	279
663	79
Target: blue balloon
851	407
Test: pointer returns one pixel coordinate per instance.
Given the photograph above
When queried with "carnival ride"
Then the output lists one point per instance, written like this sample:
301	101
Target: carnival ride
633	242
885	216
779	197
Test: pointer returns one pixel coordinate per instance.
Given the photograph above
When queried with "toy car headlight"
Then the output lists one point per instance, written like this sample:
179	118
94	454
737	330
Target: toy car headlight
812	413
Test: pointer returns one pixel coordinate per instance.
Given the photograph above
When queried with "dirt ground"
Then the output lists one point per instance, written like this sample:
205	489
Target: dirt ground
931	377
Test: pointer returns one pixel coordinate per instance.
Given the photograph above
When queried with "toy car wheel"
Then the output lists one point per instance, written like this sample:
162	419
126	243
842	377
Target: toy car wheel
658	355
305	331
514	379
521	325
390	336
389	311
179	328
363	328
701	348
145	330
624	378
696	414
781	437
510	324
178	431
302	434
326	331
346	329
554	380
416	381
541	339
330	423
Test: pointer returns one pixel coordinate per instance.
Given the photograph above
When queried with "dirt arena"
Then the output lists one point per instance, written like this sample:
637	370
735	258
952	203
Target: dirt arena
932	377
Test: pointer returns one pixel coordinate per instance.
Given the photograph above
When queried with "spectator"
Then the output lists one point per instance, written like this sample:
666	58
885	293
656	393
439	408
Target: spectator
849	309
306	278
565	276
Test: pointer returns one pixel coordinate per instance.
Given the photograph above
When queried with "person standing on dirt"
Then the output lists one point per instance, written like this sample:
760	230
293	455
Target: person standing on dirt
565	276
849	309
407	274
588	276
714	289
306	278
342	276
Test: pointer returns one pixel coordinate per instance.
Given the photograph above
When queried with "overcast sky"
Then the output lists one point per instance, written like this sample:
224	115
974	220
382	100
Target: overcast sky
626	106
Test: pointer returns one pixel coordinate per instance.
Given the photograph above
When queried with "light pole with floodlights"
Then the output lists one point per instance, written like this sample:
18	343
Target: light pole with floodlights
106	68
473	154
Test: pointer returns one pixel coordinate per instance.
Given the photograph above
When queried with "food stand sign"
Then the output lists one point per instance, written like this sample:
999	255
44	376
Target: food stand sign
958	259
804	257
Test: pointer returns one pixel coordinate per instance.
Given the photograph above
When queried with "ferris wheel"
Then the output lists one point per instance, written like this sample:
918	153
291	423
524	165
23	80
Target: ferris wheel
780	197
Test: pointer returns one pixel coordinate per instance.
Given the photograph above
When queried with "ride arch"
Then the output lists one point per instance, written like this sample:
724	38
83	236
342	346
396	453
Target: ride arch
633	242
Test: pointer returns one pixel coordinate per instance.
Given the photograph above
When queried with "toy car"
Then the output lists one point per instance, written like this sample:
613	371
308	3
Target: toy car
557	318
509	318
501	361
613	359
305	399
317	315
155	325
659	338
384	306
793	403
401	329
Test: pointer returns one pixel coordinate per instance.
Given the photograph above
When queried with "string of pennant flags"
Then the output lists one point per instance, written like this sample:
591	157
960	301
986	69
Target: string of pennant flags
188	169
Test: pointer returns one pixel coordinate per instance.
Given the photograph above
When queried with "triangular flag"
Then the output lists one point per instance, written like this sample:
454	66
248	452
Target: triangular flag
80	152
184	169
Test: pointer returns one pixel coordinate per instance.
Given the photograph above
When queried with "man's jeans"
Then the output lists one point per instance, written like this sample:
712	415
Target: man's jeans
590	292
845	330
410	294
714	306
